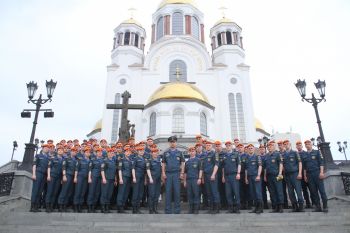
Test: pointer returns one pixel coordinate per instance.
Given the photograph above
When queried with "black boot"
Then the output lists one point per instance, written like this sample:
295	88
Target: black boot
229	209
103	208
151	208
48	208
190	209
280	209
121	210
32	208
155	208
255	208
138	211
211	208
89	208
275	209
196	209
308	206
79	209
259	209
285	206
60	208
216	209
250	205
318	208
37	208
76	208
266	206
134	211
301	207
325	207
107	208
294	208
64	208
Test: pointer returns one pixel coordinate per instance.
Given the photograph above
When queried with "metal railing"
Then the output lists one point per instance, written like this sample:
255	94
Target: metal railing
6	180
346	181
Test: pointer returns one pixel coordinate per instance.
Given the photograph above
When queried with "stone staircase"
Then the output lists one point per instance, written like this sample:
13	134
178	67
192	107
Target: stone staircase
15	218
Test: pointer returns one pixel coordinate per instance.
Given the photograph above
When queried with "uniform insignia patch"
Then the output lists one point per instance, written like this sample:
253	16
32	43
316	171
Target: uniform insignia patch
313	157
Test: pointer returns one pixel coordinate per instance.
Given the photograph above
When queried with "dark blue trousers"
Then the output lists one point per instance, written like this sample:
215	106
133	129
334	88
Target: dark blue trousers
106	192
138	188
255	189
232	190
212	189
38	187
66	191
123	191
294	186
316	187
276	190
193	191
53	187
80	190
172	189
94	190
154	191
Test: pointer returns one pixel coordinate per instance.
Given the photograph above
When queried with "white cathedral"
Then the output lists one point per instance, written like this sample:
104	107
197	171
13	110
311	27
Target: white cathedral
185	89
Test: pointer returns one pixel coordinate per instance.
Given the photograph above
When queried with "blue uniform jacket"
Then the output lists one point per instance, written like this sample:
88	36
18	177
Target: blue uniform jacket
172	159
192	168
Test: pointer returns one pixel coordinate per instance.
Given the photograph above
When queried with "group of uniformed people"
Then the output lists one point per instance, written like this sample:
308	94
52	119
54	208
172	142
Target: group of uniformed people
235	177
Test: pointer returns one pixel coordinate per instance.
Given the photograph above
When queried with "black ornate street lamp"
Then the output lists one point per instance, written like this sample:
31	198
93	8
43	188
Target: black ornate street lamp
48	113
15	145
323	145
263	141
342	148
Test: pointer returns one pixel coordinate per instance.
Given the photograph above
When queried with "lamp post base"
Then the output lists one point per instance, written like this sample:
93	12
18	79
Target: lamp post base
327	155
28	157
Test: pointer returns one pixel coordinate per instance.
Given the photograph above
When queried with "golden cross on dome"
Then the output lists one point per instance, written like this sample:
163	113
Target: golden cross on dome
223	10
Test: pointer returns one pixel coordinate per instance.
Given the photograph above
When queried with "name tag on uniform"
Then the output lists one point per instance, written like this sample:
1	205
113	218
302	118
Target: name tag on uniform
313	157
233	160
253	163
209	159
195	165
120	164
273	161
291	159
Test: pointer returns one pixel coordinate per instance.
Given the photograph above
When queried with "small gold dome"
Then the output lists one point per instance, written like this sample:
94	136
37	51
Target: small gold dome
166	2
131	21
223	20
178	90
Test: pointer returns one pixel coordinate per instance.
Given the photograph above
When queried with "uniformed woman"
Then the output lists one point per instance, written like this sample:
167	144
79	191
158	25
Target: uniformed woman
154	171
109	179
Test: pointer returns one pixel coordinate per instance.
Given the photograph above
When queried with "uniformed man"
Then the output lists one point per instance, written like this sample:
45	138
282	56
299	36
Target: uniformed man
40	165
231	175
304	185
245	197
95	180
68	170
314	176
221	186
253	178
281	150
139	167
273	167
54	176
293	174
200	154
193	180
172	171
81	179
154	171
125	170
264	186
109	180
210	163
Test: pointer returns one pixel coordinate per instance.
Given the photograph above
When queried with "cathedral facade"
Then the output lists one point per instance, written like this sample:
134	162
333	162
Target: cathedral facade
186	89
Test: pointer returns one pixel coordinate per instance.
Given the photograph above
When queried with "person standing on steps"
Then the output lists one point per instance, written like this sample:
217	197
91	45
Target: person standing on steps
172	172
154	172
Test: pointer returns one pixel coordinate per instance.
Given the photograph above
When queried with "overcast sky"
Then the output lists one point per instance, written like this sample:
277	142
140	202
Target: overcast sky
71	40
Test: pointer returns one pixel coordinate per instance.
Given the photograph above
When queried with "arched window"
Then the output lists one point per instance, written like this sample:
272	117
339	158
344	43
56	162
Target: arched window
240	116
229	37
160	28
136	40
195	28
178	121
127	38
115	121
177	69
219	39
203	124
152	124
178	23
233	115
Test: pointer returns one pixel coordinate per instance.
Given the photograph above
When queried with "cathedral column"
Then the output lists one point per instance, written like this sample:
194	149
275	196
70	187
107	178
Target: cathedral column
202	33
167	24
132	38
188	24
142	45
223	38
213	42
153	33
114	42
235	38
241	40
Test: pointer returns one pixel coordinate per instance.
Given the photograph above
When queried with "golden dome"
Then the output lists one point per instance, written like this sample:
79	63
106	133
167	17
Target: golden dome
258	124
178	90
131	21
166	2
223	20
